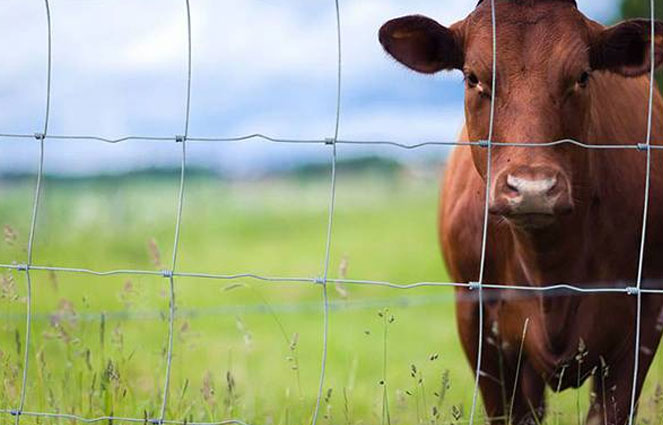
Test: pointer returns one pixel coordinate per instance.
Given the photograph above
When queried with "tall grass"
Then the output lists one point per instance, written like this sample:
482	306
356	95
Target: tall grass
243	349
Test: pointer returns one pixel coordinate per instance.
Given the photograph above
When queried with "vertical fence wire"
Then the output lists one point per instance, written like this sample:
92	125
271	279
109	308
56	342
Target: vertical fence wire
645	213
178	223
33	221
330	220
484	236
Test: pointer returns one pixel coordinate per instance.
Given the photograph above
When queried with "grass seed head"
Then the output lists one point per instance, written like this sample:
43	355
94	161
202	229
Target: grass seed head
154	253
10	235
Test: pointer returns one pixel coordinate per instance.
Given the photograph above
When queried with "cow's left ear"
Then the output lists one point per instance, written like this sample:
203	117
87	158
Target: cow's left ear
625	48
421	44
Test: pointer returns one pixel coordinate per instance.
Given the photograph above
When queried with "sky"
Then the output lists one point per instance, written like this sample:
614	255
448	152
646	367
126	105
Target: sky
119	68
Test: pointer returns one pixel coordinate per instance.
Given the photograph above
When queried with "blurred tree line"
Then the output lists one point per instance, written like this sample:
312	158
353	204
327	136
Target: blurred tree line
640	9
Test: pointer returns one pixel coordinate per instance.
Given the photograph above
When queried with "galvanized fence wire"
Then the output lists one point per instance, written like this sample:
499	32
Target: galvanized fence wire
484	235
327	141
113	419
619	288
645	214
330	220
33	221
171	274
178	224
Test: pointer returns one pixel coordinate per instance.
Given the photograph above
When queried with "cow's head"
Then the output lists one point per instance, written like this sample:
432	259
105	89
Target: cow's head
548	54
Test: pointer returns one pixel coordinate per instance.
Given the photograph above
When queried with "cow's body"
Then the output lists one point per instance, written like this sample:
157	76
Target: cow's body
598	249
560	214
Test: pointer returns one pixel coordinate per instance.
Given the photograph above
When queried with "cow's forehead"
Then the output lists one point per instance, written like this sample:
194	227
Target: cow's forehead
530	2
533	33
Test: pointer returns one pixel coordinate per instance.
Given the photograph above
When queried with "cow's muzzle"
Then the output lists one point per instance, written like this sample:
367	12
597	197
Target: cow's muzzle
531	196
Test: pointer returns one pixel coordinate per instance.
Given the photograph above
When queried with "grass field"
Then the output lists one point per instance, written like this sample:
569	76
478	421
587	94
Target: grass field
243	349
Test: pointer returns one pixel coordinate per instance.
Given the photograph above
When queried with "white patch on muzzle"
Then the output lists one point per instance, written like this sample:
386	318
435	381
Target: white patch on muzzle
532	195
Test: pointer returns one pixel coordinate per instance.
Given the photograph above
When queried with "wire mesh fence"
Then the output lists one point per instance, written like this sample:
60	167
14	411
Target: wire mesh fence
323	279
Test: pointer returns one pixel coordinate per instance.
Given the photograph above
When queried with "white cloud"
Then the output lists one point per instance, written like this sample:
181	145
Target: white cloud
120	68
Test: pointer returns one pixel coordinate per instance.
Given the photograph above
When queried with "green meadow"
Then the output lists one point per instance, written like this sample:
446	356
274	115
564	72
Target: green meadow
243	348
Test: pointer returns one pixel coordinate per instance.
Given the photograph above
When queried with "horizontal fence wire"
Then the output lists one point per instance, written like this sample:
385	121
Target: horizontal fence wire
616	288
476	289
644	147
166	421
113	419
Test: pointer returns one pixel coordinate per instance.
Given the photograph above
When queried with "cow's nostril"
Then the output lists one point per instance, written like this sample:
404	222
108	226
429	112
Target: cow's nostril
511	185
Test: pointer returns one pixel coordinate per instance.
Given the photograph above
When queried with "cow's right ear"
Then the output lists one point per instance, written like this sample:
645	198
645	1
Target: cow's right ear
625	48
422	44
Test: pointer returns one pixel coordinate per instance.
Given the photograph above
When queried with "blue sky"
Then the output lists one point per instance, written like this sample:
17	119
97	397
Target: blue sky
119	68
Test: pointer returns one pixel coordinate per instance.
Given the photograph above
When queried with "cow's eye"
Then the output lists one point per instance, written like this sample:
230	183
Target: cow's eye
583	79
471	79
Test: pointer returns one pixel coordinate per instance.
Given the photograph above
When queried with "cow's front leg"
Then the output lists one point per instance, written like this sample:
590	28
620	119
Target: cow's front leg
612	390
499	374
493	391
613	381
612	387
529	401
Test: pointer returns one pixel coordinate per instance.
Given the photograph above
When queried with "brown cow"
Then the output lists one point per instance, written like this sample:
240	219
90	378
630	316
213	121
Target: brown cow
561	214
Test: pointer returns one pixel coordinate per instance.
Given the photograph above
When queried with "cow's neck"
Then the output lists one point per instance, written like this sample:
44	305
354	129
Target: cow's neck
548	257
543	254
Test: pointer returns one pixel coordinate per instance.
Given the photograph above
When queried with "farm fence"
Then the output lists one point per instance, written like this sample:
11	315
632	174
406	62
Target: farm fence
323	279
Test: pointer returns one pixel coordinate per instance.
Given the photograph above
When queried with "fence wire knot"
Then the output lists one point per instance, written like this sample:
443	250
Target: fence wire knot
319	280
167	273
644	147
22	267
474	285
632	290
484	143
330	140
155	421
180	139
39	136
15	412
